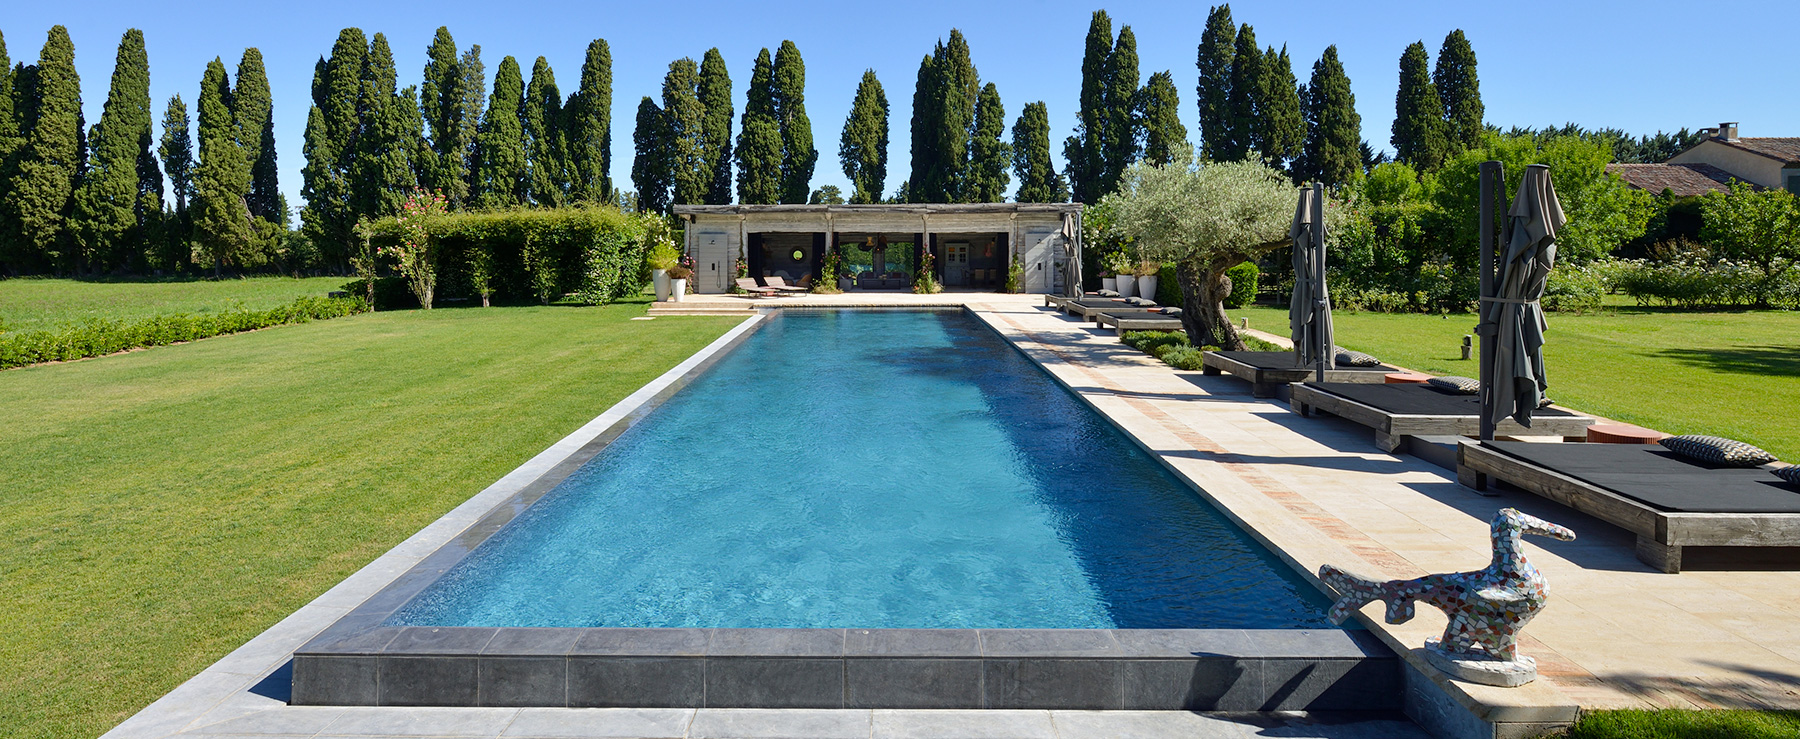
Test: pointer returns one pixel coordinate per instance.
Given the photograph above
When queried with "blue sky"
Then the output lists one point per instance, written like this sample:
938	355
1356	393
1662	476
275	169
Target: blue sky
1640	66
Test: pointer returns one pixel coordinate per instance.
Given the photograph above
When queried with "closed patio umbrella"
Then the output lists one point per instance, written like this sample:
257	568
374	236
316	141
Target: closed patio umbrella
1309	308
1512	316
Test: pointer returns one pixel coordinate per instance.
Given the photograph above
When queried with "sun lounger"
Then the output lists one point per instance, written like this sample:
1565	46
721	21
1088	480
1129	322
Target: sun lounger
749	286
1269	372
777	283
1667	500
1122	321
1087	306
1397	411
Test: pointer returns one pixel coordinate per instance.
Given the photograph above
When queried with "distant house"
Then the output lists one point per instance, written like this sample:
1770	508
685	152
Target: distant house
1772	161
1683	180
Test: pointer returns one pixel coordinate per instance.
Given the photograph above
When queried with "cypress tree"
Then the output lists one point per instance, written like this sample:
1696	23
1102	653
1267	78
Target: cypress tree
798	157
715	98
1460	91
384	172
589	131
1418	114
1165	139
106	222
222	180
449	119
651	168
955	85
1039	181
684	131
863	146
12	114
253	108
500	170
545	159
926	110
1218	45
177	152
51	156
1086	149
988	155
1125	132
1246	91
1333	127
1283	129
332	126
759	138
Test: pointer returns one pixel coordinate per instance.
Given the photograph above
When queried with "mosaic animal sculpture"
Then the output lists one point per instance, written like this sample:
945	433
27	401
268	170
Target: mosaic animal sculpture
1487	608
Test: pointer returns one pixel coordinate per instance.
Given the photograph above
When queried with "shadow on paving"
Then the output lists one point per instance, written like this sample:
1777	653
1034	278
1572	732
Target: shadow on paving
1598	545
1758	688
1780	361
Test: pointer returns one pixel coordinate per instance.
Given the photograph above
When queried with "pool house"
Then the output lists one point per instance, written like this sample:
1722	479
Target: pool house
881	246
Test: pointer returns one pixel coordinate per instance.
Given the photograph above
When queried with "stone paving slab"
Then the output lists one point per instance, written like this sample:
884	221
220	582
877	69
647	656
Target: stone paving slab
1616	633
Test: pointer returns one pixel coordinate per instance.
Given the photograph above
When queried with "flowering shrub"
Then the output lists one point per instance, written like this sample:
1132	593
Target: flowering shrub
926	283
1696	279
415	250
826	284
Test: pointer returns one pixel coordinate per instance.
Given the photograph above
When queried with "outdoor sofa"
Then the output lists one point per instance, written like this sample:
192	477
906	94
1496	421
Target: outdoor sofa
1396	411
1667	500
1268	372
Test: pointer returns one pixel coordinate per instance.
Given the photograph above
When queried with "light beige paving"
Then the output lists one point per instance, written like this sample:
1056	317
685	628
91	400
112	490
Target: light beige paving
1616	633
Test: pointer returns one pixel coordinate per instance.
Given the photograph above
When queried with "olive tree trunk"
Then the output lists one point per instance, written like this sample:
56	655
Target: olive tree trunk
1203	292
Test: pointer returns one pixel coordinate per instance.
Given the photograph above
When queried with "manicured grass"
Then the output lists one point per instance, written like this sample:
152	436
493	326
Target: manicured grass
162	507
44	303
1687	725
1732	374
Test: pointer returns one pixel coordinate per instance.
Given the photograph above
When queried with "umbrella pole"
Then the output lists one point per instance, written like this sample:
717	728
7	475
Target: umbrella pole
1322	353
1493	174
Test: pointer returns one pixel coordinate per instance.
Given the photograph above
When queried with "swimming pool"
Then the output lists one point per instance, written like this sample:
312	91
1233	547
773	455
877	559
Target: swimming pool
870	469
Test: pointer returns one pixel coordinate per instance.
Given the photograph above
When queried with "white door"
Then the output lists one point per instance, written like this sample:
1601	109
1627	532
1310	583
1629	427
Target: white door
1040	261
956	263
712	261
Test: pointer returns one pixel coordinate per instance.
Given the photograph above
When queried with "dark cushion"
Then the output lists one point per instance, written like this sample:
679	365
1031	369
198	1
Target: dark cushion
1458	385
1790	473
1109	293
1717	450
1349	358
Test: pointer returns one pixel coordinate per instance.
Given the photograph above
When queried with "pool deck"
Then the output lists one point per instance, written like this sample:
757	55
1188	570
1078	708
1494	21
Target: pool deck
1616	634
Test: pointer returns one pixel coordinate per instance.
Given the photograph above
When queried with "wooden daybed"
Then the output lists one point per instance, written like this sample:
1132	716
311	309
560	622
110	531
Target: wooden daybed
1122	321
1415	409
1088	305
1267	372
1669	502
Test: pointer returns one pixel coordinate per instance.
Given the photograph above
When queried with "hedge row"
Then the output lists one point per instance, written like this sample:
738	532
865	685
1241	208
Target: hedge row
99	336
596	253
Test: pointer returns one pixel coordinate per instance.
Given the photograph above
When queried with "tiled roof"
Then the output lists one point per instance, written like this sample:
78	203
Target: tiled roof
1685	180
1784	148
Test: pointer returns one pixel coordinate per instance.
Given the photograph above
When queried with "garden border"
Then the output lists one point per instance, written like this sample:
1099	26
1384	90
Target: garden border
360	661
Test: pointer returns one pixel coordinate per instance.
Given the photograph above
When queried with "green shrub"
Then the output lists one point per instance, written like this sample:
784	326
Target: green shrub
1168	287
597	253
1183	357
1575	289
1147	341
1254	344
390	293
1243	285
97	337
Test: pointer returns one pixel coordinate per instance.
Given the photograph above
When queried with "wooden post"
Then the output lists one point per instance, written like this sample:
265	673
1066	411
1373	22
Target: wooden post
1323	355
1493	184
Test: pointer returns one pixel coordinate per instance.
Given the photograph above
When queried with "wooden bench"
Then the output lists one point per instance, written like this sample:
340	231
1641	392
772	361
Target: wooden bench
1391	428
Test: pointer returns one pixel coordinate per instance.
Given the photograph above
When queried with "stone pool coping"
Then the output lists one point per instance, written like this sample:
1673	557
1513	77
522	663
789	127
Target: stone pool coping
359	661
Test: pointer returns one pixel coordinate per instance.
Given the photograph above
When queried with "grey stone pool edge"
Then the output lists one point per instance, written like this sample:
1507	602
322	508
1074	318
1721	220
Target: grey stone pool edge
359	661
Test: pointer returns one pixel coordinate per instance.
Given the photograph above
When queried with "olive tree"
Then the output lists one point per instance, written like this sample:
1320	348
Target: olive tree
1204	218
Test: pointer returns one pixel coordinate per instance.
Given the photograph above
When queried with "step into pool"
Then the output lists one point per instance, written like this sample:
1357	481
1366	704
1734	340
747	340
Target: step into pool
839	491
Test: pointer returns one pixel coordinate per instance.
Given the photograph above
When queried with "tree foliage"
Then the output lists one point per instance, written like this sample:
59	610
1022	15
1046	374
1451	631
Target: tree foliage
988	154
1760	227
684	131
384	172
943	119
1218	43
177	152
253	109
107	220
862	149
759	138
222	225
589	128
500	172
1419	125
332	126
1603	212
715	99
1085	151
1332	152
1039	182
546	153
1165	139
1281	128
788	95
652	164
1244	106
1459	88
50	156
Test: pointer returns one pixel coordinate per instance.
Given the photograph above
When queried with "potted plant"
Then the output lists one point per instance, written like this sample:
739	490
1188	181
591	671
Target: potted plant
678	281
1147	272
1108	281
1119	264
663	256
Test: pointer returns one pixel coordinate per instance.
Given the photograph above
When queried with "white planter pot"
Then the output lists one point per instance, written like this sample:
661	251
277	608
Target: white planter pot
677	290
1109	283
660	277
1146	285
1127	286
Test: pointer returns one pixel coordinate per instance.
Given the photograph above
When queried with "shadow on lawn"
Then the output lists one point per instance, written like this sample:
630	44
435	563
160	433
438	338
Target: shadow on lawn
1780	361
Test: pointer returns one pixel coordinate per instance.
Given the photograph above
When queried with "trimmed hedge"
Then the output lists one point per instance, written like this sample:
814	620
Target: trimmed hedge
539	254
97	337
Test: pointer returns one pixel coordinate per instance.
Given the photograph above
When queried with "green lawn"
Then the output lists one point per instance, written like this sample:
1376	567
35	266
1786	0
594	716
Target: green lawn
1732	374
1687	725
43	303
161	507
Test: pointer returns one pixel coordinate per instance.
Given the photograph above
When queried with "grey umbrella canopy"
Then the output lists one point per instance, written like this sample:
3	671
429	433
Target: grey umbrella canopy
1309	308
1512	315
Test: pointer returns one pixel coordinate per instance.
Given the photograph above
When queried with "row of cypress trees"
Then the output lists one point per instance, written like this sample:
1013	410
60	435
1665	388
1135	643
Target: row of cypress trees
75	199
368	145
1438	112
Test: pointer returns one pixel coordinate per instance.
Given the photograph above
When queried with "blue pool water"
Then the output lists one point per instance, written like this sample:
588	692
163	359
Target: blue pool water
873	469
